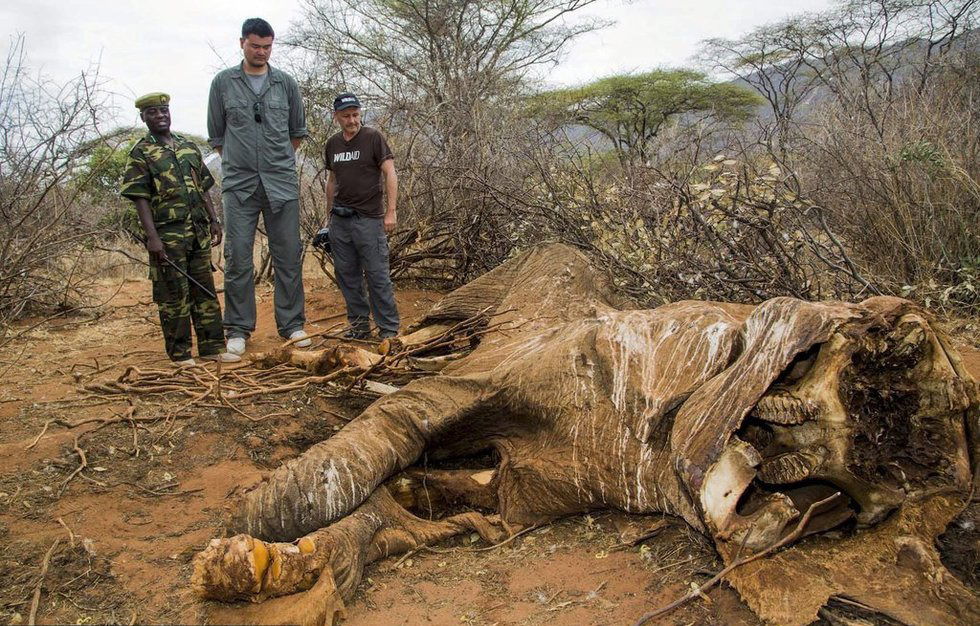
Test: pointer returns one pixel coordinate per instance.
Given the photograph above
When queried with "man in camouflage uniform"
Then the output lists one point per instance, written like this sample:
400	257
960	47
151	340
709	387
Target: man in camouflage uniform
167	181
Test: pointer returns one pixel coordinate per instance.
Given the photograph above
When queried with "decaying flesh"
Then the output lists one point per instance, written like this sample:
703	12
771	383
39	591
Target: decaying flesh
735	418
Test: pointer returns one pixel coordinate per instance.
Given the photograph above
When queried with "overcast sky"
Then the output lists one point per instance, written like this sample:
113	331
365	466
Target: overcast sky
176	46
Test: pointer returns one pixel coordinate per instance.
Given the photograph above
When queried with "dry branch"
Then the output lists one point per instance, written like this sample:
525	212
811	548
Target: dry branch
36	600
83	463
287	369
700	589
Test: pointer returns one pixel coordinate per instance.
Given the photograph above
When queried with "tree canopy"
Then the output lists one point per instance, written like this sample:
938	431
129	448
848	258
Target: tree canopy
632	109
443	52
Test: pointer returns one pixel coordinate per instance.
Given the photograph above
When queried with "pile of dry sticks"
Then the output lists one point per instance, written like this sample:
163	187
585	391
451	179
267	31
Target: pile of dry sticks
339	369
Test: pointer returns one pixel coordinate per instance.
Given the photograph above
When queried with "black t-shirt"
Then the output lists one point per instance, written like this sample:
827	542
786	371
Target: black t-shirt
356	166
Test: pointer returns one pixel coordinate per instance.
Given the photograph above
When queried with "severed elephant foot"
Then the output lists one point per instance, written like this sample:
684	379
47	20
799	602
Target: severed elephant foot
327	564
321	605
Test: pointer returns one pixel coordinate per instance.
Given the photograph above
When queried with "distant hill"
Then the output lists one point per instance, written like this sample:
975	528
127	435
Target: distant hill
904	62
903	59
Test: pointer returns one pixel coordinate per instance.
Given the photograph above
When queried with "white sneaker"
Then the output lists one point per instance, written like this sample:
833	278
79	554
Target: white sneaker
186	363
224	357
236	345
304	341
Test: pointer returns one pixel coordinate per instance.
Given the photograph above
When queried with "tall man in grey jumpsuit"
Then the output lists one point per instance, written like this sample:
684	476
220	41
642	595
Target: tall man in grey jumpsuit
360	213
256	122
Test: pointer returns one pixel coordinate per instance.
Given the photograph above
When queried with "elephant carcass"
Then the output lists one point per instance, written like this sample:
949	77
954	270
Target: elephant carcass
735	418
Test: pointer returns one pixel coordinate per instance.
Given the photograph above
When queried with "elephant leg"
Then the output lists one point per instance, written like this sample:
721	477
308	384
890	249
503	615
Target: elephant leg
334	477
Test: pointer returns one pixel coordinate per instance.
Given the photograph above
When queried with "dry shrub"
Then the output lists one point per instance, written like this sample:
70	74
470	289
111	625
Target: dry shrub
859	178
907	199
724	229
452	225
872	105
737	231
46	229
442	81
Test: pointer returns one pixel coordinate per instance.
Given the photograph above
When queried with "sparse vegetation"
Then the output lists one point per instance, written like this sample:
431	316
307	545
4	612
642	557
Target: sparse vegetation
871	107
46	132
840	163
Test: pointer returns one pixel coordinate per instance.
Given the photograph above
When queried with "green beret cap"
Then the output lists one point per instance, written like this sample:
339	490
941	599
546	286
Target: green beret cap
155	99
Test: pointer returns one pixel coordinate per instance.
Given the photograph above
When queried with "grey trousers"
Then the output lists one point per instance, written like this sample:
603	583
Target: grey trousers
360	251
282	227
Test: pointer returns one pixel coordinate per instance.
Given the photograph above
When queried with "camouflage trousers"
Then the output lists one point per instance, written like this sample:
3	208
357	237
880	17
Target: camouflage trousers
180	301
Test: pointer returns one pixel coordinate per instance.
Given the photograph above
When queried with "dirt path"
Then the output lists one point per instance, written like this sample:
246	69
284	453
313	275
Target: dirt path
153	493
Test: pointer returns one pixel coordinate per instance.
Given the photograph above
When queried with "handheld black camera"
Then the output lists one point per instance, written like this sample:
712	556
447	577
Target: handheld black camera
321	239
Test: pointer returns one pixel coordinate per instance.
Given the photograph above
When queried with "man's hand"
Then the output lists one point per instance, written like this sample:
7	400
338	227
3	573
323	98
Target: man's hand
215	232
391	221
155	247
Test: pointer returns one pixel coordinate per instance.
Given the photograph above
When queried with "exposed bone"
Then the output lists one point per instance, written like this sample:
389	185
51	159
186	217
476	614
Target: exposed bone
381	389
792	467
317	361
727	480
784	409
588	407
724	485
831	427
411	340
433	364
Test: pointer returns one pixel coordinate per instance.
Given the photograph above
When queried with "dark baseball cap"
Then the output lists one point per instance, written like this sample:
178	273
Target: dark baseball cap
346	100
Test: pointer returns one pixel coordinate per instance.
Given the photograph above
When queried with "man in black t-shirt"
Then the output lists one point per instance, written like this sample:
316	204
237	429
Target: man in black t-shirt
360	211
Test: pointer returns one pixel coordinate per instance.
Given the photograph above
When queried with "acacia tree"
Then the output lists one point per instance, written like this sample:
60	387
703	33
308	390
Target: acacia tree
631	110
442	77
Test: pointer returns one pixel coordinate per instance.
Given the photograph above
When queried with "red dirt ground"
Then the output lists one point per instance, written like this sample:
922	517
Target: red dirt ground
129	524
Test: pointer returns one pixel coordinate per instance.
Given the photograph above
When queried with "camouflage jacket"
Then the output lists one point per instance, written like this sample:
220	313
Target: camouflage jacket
173	180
